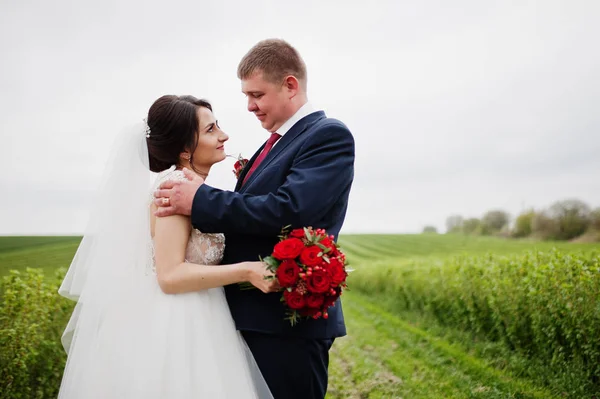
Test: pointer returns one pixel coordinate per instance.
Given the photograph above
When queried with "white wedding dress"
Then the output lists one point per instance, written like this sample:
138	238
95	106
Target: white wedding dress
127	339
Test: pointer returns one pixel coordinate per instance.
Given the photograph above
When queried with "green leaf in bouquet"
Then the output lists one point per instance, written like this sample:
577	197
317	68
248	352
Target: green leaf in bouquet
313	239
293	317
323	247
271	262
284	232
307	233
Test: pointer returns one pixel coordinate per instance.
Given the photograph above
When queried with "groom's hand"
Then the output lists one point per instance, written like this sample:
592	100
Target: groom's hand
176	197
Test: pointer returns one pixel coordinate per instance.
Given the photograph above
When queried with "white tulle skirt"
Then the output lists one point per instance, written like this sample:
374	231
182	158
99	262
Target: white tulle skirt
144	344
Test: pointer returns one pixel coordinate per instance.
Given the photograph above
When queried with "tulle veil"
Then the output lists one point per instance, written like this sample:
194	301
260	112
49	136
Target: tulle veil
117	296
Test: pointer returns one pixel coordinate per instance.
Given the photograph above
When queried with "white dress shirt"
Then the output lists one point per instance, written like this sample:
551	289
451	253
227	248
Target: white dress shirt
304	110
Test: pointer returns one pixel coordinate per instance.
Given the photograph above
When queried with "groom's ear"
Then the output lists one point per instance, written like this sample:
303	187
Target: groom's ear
291	84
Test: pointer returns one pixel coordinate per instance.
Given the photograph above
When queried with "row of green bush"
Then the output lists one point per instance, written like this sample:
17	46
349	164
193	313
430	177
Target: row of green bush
545	305
32	319
564	220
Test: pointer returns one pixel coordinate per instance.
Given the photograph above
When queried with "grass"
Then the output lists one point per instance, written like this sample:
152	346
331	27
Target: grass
411	247
48	253
386	357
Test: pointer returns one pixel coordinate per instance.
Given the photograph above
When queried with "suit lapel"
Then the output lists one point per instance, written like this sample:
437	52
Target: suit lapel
295	132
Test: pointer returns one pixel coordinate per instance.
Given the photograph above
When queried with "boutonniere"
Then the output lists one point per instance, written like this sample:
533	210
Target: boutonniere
239	165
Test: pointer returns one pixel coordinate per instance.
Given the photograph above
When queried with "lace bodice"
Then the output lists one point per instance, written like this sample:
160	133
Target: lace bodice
202	248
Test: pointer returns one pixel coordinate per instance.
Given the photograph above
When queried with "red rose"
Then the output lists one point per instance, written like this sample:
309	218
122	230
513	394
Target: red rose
310	256
294	299
328	243
238	166
336	272
288	249
287	273
318	282
298	233
314	301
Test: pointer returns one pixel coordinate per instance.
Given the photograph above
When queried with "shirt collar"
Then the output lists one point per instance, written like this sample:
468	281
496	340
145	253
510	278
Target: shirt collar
304	110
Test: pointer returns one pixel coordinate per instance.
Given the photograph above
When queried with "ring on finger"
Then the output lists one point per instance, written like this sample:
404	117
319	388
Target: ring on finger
165	201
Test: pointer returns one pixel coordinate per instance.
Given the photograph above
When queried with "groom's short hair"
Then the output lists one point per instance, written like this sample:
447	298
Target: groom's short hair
276	59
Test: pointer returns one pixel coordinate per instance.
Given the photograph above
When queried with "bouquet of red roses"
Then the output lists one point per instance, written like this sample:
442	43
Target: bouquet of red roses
311	269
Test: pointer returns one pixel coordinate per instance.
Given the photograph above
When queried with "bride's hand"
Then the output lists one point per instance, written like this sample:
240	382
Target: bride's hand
260	277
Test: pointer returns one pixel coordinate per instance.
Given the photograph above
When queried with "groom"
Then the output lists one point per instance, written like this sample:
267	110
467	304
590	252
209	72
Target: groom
300	177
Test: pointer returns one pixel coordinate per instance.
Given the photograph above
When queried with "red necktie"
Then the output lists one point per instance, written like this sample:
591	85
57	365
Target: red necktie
272	140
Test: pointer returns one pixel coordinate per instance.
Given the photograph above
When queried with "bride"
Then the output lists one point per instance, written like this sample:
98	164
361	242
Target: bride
151	319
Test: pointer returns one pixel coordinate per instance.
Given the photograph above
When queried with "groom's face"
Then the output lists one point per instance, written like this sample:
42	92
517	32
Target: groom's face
267	100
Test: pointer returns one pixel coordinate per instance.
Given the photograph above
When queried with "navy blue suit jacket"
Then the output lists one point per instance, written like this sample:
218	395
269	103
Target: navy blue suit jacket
305	180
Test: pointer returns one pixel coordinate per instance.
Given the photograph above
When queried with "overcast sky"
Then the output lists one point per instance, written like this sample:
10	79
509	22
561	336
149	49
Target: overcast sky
456	107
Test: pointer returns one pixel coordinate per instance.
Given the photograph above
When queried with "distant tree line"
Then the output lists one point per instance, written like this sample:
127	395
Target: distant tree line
564	220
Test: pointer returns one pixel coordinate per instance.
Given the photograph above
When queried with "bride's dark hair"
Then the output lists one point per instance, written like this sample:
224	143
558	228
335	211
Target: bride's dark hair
173	123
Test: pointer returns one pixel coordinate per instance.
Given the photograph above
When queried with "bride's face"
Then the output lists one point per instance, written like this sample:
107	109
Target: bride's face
211	140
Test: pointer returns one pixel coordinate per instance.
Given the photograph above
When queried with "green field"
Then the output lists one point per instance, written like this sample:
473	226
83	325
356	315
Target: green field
48	253
395	350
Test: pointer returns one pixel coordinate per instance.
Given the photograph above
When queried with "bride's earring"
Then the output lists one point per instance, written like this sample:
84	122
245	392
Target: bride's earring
186	156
